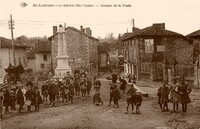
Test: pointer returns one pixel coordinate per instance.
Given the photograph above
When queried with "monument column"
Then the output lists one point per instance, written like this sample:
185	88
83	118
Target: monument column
62	58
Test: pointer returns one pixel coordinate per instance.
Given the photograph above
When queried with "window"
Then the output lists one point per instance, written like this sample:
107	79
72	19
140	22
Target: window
42	65
145	68
45	57
149	45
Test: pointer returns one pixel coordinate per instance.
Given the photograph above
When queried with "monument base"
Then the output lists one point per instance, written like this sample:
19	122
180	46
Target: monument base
62	67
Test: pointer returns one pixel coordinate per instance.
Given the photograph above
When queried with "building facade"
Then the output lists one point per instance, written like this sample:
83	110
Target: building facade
39	60
6	55
81	49
155	53
195	37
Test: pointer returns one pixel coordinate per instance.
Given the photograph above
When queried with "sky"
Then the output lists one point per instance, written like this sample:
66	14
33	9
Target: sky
182	16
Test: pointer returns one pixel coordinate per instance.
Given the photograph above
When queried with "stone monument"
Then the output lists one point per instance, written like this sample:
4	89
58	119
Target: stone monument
62	58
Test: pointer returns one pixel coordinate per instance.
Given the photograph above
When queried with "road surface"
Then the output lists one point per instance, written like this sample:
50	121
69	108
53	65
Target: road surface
83	114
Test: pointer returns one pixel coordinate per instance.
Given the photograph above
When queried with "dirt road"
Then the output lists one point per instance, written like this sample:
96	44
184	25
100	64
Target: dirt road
84	115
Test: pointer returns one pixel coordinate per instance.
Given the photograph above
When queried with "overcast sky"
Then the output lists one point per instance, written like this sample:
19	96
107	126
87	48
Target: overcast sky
182	16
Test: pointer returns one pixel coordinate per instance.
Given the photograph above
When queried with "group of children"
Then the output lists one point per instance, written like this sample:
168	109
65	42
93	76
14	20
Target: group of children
133	96
18	94
177	92
52	90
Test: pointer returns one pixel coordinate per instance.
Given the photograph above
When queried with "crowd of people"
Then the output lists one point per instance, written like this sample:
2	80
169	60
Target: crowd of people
32	95
80	85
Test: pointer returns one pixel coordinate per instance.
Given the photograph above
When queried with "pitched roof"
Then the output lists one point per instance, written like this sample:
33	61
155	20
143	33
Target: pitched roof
194	34
77	30
126	36
6	43
43	47
30	55
156	31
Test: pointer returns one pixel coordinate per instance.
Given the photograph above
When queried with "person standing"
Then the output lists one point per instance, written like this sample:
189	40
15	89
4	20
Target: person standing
184	90
114	77
83	87
71	91
112	89
123	84
97	85
13	99
64	92
37	99
116	97
175	95
44	90
88	86
20	97
76	84
29	98
52	93
6	100
164	92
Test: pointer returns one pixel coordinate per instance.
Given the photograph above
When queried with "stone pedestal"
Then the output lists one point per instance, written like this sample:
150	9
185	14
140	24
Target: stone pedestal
62	58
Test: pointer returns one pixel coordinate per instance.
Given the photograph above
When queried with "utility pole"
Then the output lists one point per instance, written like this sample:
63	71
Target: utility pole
164	66
11	24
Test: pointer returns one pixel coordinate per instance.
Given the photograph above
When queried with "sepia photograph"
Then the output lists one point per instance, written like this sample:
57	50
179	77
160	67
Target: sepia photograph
100	64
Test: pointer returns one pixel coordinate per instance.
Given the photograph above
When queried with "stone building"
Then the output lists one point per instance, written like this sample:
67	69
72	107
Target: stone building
155	53
195	37
81	48
6	55
39	60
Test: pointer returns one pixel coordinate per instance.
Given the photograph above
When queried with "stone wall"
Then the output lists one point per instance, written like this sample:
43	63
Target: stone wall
82	50
175	48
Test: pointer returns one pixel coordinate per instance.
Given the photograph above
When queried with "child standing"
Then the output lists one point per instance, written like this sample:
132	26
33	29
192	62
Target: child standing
29	98
37	99
174	95
71	91
123	84
97	85
13	99
112	89
185	99
164	92
116	97
6	100
131	91
83	87
20	97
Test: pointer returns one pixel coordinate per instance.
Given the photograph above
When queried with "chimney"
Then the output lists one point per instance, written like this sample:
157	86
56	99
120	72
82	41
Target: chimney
88	31
54	29
84	31
60	26
160	25
81	28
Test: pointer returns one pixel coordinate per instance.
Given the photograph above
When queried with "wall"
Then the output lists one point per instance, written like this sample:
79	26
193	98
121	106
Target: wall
39	60
4	64
175	48
103	60
82	50
19	53
32	64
